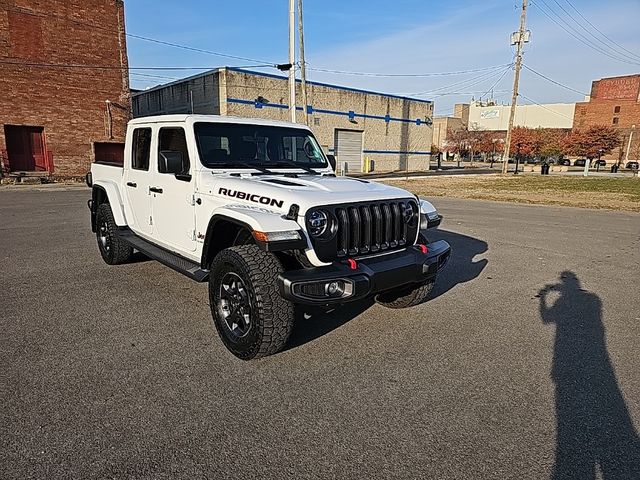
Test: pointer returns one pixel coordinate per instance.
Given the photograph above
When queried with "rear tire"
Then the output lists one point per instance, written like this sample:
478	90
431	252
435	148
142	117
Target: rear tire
408	296
113	249
250	315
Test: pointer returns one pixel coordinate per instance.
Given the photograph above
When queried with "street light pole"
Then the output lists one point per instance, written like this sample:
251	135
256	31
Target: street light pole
292	60
303	69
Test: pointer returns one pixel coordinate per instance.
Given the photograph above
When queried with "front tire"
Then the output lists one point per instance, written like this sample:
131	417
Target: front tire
112	249
251	317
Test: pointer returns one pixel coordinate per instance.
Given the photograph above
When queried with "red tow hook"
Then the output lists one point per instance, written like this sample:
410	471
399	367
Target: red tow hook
423	248
352	264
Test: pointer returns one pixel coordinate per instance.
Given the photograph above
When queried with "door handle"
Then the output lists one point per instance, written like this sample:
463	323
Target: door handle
155	189
132	184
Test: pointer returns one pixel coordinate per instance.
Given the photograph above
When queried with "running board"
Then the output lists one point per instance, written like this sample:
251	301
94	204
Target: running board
170	259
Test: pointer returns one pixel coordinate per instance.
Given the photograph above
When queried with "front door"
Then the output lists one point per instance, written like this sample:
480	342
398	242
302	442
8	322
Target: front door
26	148
172	190
137	180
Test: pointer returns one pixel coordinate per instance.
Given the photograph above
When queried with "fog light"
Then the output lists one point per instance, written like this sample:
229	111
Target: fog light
340	288
332	288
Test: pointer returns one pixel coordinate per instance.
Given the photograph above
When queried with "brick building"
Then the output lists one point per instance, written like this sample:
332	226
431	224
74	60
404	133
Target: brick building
614	101
64	82
392	131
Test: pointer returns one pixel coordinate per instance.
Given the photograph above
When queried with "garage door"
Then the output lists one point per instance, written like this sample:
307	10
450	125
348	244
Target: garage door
349	149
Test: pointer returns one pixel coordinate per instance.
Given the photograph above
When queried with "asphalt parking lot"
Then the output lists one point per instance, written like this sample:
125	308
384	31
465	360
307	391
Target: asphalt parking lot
524	365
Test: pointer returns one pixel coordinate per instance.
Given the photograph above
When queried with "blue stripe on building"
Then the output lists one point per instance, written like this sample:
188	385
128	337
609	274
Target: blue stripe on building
310	109
329	85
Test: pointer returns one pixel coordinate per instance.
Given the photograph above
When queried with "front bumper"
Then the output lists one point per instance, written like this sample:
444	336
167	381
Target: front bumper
366	277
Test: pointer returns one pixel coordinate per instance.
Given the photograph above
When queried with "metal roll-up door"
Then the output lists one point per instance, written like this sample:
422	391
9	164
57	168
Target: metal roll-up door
349	149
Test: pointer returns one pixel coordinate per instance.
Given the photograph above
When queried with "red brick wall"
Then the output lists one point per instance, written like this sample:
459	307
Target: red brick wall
607	94
70	103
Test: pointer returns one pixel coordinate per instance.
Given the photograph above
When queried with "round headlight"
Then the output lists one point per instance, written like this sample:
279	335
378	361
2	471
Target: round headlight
318	222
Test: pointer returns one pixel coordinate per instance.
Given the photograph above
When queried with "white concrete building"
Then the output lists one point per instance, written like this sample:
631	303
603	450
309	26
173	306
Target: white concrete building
492	117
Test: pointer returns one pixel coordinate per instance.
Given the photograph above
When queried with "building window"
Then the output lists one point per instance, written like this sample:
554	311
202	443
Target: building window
616	109
25	36
615	120
316	121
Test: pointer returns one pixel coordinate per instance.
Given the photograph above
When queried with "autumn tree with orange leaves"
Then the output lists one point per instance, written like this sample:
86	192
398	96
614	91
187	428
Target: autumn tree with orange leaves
592	142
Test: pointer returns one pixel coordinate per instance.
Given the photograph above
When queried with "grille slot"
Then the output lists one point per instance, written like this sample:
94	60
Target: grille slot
373	227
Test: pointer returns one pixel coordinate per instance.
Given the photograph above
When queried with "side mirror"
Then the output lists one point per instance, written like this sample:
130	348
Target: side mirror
332	161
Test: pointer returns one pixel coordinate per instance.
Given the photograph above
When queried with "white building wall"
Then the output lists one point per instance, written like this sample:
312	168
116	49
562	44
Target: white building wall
496	117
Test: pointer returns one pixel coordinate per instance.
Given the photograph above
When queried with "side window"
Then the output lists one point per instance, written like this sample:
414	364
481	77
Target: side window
173	156
141	149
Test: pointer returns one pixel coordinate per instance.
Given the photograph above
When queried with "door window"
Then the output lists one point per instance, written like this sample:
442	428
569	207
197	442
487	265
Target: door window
173	156
141	149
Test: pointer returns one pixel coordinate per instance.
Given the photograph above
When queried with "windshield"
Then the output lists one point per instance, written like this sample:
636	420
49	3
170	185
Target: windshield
237	145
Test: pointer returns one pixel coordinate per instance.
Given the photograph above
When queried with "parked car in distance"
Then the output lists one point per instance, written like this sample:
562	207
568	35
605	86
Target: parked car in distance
564	161
599	163
581	162
632	165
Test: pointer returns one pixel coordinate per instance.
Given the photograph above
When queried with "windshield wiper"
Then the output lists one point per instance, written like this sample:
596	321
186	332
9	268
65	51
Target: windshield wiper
295	165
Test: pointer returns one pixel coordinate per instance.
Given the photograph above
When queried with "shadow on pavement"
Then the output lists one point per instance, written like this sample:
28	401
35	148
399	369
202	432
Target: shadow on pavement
312	323
462	266
595	436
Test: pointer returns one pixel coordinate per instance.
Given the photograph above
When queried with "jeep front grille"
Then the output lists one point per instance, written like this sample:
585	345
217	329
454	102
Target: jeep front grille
367	228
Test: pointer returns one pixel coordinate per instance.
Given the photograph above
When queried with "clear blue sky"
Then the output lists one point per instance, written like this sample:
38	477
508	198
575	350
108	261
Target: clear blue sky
402	36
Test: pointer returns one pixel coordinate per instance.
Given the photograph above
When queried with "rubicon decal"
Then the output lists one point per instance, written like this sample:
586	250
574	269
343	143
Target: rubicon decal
252	197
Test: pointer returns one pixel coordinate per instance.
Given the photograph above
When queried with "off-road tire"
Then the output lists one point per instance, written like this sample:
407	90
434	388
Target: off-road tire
271	316
113	249
408	296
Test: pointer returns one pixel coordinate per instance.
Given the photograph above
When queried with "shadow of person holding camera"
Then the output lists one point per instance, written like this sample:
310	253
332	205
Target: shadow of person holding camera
595	435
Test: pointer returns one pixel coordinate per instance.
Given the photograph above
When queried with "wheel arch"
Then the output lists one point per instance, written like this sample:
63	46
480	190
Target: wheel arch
224	232
106	192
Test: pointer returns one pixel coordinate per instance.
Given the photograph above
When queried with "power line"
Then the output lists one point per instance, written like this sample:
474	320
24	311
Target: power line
545	107
589	32
552	80
490	89
600	31
114	67
468	82
92	25
433	74
199	50
577	35
147	75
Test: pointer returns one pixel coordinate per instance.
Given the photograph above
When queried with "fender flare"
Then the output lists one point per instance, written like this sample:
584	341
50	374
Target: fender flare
245	220
113	195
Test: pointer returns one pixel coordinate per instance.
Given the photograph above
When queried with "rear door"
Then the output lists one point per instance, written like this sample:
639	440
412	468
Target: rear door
172	190
137	177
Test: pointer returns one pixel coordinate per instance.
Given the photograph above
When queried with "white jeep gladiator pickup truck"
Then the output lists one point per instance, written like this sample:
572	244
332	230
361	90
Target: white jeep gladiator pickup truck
254	208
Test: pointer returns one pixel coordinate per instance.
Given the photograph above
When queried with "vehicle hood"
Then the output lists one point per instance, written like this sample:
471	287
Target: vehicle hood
280	191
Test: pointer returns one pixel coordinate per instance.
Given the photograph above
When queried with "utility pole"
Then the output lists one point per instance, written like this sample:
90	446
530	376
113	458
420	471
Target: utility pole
303	70
519	38
292	60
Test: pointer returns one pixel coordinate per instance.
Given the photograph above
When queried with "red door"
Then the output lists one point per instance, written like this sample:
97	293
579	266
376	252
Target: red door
26	149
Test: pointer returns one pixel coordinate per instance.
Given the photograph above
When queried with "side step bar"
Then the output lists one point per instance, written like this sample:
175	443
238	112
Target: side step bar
170	259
